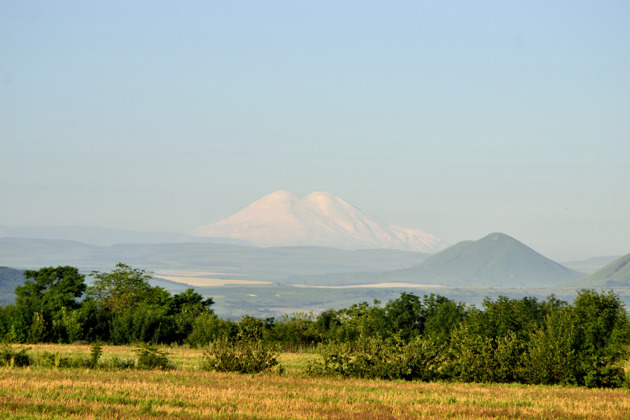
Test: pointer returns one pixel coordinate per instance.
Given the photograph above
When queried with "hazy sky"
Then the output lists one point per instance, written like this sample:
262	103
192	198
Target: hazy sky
458	117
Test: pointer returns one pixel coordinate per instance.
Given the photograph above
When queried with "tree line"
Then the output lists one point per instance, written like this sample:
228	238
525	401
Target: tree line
430	338
55	305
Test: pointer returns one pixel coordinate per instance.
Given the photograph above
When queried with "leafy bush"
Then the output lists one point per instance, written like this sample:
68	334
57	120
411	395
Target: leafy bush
390	358
370	358
583	344
478	358
117	363
522	341
57	360
12	357
150	357
206	328
240	356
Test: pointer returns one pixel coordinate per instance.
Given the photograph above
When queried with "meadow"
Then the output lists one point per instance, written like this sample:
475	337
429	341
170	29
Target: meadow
191	392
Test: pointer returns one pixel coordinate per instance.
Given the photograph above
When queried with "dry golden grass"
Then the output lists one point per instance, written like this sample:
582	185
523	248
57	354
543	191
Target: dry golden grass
188	392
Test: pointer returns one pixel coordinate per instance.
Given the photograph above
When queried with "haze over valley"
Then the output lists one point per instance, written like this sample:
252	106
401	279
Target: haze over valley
277	142
283	253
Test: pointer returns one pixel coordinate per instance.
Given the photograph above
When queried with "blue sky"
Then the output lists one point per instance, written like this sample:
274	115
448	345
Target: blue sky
460	118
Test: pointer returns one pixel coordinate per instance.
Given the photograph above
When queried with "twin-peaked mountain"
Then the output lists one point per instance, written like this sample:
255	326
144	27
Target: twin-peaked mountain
320	219
497	260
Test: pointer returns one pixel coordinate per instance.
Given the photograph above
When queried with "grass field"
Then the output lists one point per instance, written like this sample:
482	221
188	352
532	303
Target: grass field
188	392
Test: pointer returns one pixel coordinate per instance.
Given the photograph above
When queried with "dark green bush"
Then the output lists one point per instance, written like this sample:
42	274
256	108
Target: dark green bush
582	344
240	356
477	358
522	341
117	363
206	328
390	358
150	357
56	360
96	350
11	357
370	358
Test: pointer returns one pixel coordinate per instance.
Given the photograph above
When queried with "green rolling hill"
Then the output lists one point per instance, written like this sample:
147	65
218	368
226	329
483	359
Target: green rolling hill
614	275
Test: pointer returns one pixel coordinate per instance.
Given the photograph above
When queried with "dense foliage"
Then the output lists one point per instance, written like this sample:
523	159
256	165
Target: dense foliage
431	338
510	340
243	356
120	307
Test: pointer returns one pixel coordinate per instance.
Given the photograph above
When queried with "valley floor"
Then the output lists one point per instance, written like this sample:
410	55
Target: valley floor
189	392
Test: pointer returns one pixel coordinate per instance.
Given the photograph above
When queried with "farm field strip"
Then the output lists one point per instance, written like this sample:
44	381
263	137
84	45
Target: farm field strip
188	392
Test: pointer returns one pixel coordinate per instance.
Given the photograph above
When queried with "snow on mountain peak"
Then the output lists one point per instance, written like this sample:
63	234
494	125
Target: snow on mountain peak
322	219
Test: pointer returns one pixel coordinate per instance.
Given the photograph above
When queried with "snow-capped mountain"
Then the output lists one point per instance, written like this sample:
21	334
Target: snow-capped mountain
321	219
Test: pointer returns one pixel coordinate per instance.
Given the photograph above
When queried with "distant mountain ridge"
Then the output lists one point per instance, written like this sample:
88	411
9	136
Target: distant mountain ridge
319	219
224	260
496	260
106	236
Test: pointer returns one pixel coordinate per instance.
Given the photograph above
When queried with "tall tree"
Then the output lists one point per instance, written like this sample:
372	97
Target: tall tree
45	297
405	315
124	288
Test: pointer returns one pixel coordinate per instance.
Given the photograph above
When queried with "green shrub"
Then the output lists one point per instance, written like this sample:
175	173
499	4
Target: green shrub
390	358
240	356
336	359
583	344
150	357
478	358
370	358
96	350
12	357
206	328
117	363
54	360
